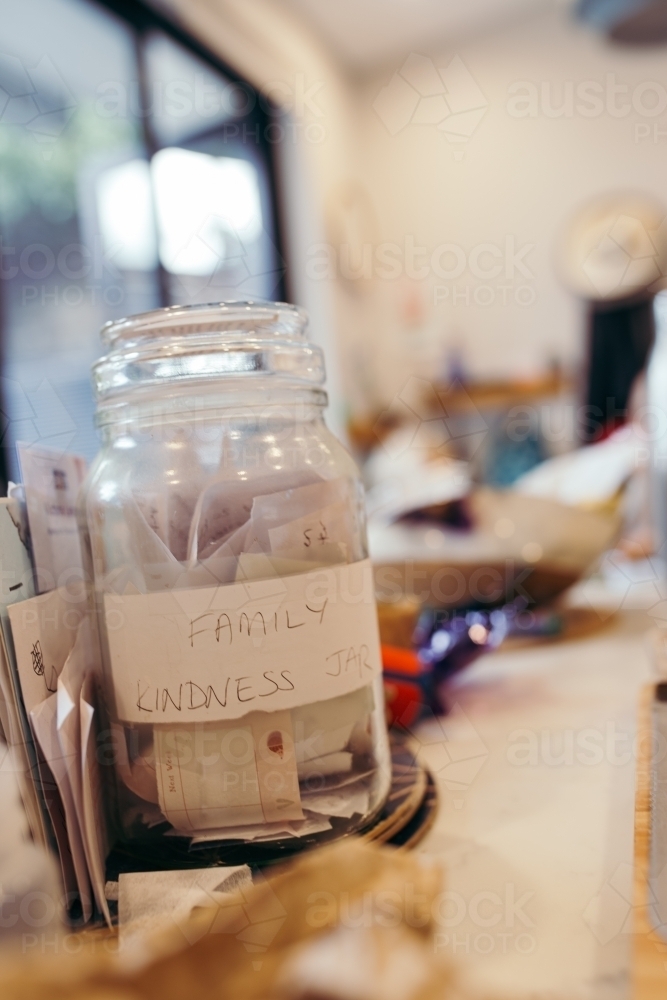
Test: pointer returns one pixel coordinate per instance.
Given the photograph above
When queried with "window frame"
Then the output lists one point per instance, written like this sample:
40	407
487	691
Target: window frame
144	19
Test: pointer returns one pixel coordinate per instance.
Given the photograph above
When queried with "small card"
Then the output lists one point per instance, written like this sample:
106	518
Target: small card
44	630
214	788
319	514
226	505
16	584
228	774
45	725
52	480
312	532
94	824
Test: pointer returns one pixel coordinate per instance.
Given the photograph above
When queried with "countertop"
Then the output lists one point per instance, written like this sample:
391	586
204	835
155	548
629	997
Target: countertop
535	766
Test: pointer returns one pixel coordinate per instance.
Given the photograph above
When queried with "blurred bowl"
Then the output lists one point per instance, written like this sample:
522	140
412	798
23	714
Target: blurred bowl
519	546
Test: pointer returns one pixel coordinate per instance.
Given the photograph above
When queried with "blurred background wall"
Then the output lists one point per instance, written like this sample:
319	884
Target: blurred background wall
413	186
553	134
549	114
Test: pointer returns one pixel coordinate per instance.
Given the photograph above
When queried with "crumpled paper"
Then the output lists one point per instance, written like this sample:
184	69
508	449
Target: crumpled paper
351	921
147	900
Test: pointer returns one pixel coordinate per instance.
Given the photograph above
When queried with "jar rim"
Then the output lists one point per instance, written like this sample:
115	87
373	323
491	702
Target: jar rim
205	343
227	316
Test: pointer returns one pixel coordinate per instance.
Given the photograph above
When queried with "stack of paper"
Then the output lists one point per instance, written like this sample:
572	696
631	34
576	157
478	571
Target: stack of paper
49	665
229	532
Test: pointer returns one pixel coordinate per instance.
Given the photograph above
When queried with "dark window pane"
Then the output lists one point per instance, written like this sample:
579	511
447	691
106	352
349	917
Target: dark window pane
214	238
71	155
115	197
186	96
211	181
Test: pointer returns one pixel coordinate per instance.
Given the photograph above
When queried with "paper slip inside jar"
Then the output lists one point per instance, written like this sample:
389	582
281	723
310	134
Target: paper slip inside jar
217	653
239	774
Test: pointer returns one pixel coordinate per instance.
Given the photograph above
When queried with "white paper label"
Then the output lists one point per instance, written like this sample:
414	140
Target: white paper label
215	653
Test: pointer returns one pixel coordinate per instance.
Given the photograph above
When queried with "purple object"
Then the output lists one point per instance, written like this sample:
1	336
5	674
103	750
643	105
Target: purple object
447	641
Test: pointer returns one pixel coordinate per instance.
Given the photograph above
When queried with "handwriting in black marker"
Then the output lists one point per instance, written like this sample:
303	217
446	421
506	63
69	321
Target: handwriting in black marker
251	621
298	624
322	537
167	696
253	624
141	695
244	688
319	611
199	631
192	697
220	625
331	673
354	662
208	695
283	674
37	659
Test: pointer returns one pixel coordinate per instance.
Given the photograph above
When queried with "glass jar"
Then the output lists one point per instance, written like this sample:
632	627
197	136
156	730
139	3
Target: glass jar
225	530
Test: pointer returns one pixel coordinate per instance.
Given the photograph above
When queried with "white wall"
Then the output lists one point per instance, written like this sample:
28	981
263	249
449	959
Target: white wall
355	188
516	179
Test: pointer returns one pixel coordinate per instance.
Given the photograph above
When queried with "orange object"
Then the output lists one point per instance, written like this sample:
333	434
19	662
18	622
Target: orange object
405	681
